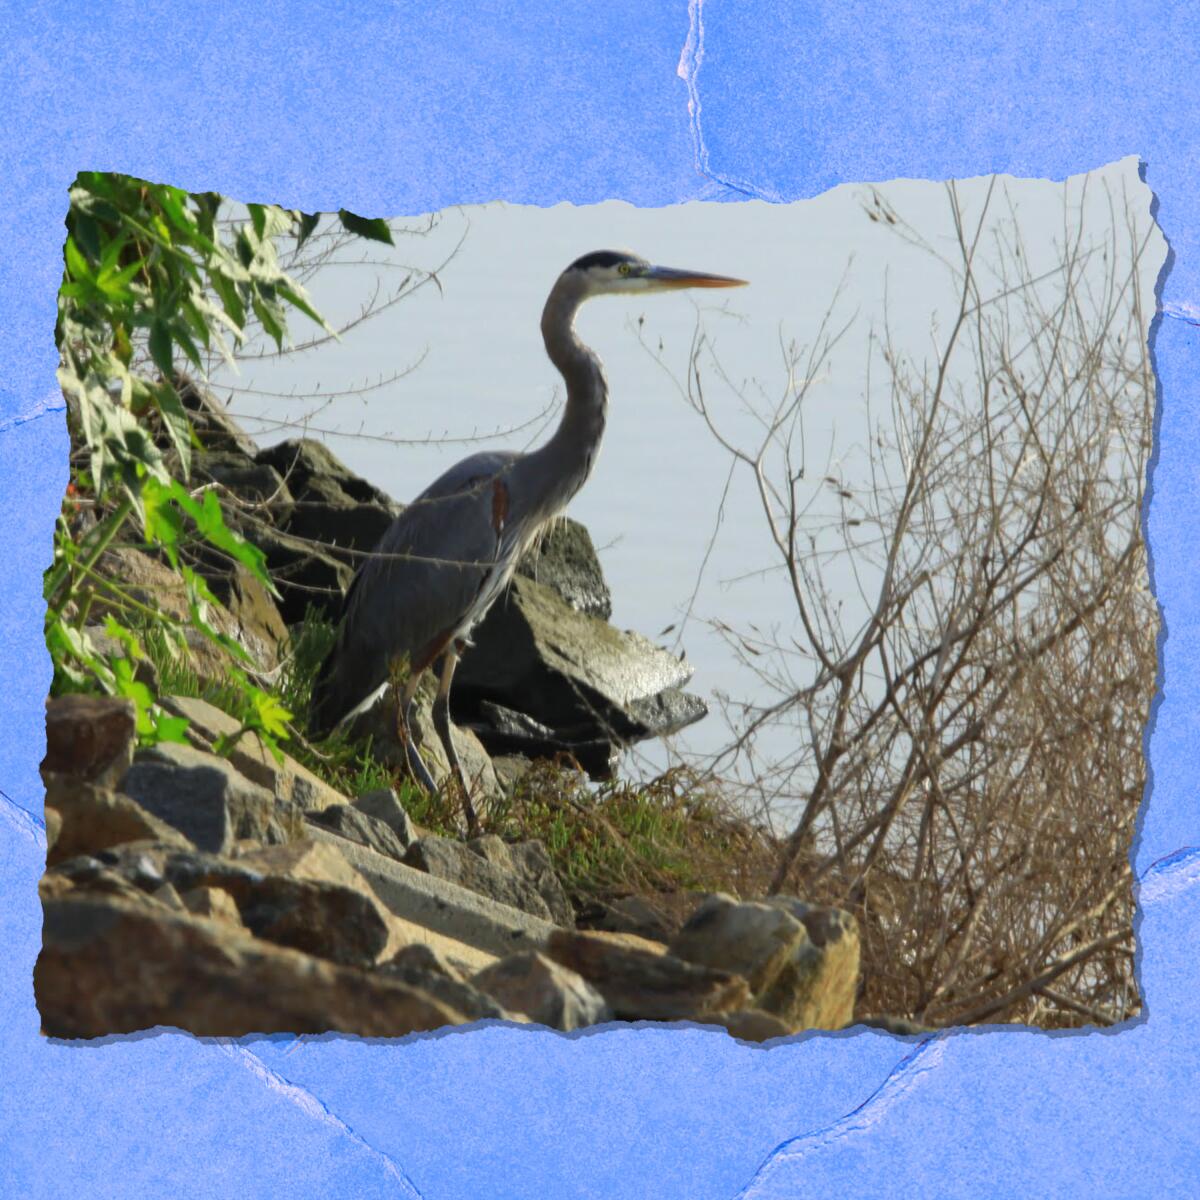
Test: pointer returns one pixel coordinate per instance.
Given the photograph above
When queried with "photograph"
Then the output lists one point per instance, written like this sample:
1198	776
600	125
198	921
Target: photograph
727	613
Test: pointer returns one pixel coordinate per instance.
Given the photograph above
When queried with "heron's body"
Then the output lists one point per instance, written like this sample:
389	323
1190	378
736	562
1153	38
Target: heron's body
451	553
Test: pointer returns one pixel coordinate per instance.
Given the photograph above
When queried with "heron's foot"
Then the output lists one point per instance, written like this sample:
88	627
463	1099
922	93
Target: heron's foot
412	756
418	769
474	829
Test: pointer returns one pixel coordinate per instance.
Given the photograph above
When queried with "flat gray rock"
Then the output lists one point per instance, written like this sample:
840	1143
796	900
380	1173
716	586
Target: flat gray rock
362	828
458	863
384	805
207	800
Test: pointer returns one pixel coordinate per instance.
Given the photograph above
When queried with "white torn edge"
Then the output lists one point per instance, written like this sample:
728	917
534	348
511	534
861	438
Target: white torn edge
52	403
691	58
31	827
312	1107
1169	876
1182	311
900	1081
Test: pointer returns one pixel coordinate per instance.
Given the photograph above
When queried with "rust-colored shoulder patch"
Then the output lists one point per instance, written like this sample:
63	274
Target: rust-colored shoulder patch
499	505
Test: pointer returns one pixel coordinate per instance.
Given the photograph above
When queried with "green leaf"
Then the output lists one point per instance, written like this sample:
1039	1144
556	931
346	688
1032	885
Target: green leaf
230	298
168	728
294	296
77	265
176	422
160	346
180	333
258	217
374	228
112	253
271	317
87	234
113	281
272	715
162	522
133	689
174	204
114	629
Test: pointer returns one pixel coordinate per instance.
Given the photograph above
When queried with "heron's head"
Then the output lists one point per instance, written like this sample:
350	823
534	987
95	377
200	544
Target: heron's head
614	272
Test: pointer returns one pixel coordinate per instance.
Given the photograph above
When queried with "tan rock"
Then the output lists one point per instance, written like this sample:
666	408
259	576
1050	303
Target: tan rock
751	940
214	903
801	961
89	737
155	584
530	862
318	927
449	859
258	627
630	941
207	799
110	966
53	828
748	1024
425	968
543	990
819	990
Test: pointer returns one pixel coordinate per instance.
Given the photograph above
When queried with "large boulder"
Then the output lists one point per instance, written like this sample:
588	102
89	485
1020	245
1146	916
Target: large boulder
215	427
347	527
251	484
109	965
304	572
801	961
89	737
299	460
508	733
565	560
257	627
572	672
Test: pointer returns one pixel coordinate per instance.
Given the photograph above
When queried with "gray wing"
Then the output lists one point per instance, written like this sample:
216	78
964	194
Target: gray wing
433	573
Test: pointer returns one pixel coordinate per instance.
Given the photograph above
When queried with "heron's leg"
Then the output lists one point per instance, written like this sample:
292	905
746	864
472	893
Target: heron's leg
404	702
441	722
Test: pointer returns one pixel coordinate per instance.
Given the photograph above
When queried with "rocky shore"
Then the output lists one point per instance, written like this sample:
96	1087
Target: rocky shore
239	893
181	891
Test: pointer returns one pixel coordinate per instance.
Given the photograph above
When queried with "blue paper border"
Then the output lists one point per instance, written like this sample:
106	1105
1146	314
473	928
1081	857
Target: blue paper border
409	107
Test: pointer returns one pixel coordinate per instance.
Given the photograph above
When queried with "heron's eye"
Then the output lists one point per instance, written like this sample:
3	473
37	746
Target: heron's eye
623	269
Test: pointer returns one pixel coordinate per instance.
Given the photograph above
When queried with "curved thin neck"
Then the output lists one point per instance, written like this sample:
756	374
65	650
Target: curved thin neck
556	470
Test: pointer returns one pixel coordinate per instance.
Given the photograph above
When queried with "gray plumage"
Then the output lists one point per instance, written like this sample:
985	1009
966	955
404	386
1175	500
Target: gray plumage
450	554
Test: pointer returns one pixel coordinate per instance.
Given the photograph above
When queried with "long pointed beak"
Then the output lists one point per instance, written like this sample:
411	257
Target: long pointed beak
671	277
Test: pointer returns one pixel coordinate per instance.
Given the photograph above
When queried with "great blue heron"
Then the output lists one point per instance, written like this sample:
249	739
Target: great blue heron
446	558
